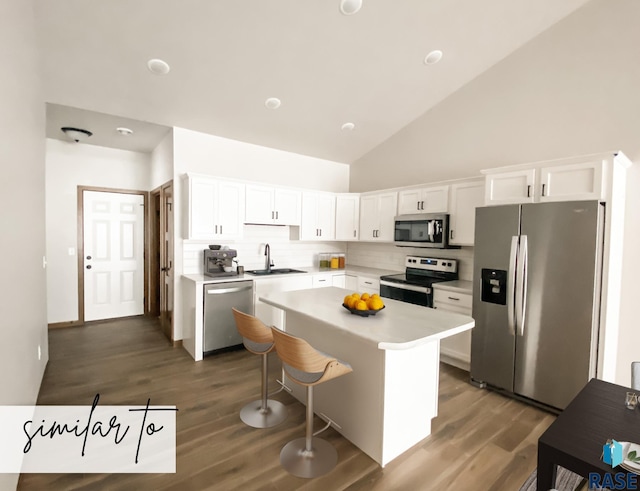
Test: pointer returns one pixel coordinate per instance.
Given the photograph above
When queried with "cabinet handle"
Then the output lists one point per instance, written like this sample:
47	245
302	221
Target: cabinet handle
320	232
354	233
216	229
276	215
543	190
417	205
272	215
422	205
528	190
451	234
453	298
220	228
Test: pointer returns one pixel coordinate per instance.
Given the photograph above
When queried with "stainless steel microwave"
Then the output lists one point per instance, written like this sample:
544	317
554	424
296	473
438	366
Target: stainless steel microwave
422	230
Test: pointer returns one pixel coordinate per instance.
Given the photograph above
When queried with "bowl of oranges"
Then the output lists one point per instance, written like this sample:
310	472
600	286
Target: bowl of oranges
364	304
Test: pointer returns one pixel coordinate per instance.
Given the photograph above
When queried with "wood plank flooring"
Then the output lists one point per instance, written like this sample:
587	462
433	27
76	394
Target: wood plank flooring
480	441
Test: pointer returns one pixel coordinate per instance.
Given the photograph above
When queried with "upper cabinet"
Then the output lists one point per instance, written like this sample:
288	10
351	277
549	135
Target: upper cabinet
545	182
465	197
377	212
432	199
318	216
215	208
267	205
347	216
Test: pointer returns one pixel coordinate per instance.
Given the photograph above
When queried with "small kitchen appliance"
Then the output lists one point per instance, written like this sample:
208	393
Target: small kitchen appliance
422	230
219	263
414	286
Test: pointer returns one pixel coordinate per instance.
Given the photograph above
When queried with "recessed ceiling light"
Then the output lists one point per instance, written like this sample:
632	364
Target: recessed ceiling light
159	67
272	103
433	57
348	126
350	7
76	134
124	131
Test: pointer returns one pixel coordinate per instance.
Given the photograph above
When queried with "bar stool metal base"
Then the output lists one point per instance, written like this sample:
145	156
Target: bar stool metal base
253	415
295	459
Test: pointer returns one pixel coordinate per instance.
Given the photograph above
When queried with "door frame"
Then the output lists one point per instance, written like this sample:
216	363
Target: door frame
157	248
80	238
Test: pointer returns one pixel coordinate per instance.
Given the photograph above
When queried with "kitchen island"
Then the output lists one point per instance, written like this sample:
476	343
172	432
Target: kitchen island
385	406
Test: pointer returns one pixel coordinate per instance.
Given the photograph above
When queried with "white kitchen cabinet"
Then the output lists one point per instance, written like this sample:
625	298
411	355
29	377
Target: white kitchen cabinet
434	199
465	197
351	282
347	216
267	205
322	280
367	284
318	216
546	182
377	212
339	280
454	350
215	208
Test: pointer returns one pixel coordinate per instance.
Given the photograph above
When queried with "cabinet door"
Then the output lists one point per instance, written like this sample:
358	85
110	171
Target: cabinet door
259	205
410	201
351	282
510	187
202	208
230	209
326	216
571	182
368	285
339	280
347	217
387	211
369	219
435	200
465	198
287	206
309	220
321	280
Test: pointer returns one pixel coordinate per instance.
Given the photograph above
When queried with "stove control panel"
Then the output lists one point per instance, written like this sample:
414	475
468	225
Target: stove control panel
432	264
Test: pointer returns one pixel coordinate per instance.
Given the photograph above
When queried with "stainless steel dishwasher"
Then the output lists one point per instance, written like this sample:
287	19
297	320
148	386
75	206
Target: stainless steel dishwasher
219	325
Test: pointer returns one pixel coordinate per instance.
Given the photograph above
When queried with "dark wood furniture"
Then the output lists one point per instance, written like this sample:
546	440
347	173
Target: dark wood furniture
575	439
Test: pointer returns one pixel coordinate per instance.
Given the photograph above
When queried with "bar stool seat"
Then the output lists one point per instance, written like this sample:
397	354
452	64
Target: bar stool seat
308	456
258	339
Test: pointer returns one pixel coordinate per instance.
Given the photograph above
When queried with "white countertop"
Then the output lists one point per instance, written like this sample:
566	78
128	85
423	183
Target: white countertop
355	270
399	326
458	286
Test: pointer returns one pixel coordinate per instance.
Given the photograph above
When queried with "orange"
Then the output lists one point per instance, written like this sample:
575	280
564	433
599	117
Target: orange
376	304
356	296
346	300
361	305
352	303
375	295
365	296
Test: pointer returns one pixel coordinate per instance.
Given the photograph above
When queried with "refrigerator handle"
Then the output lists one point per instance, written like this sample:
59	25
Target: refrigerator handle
511	281
521	285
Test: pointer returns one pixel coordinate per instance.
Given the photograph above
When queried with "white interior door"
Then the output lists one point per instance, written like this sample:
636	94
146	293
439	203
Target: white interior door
113	255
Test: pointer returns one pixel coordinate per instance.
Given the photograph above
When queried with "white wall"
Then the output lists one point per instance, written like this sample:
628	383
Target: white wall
573	90
207	154
22	292
69	165
161	167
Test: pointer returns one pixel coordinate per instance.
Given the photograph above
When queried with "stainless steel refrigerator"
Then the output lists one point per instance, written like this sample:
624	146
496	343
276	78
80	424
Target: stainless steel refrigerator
536	298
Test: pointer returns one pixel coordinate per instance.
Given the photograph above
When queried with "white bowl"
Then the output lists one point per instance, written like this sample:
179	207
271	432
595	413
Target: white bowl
228	269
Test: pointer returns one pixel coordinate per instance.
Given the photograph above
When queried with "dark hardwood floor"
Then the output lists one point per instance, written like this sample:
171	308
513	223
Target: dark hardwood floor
480	441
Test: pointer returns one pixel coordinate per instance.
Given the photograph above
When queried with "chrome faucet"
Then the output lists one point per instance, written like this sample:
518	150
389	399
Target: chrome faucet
267	260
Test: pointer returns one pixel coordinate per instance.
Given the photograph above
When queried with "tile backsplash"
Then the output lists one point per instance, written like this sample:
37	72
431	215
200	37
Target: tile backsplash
287	253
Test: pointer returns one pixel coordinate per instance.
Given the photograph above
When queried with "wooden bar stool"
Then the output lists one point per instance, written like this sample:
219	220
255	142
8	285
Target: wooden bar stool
309	456
257	338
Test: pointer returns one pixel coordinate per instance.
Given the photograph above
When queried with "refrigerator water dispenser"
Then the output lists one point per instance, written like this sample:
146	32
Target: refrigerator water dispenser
494	286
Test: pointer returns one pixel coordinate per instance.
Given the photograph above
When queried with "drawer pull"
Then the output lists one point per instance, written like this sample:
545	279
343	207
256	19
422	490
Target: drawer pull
453	298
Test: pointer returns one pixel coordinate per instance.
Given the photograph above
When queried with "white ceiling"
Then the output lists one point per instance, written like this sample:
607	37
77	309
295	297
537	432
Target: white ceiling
228	56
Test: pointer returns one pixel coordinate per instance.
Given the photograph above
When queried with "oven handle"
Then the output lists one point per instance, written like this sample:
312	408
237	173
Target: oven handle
402	286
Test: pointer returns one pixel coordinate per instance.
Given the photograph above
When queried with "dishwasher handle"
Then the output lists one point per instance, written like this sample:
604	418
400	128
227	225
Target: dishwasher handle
229	290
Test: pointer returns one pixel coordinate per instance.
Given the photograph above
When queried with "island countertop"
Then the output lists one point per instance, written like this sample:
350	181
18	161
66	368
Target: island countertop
398	326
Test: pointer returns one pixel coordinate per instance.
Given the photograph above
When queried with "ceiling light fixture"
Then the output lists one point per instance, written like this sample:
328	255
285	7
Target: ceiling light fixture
350	7
76	134
433	57
348	126
272	103
124	131
157	66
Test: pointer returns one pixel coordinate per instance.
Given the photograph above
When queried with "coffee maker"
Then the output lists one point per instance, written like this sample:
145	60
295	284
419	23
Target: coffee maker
219	263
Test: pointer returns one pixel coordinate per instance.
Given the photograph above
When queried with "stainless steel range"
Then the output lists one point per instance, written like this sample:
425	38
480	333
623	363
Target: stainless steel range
414	286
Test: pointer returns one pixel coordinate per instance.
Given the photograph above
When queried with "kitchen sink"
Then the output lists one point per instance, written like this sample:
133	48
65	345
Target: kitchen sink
263	272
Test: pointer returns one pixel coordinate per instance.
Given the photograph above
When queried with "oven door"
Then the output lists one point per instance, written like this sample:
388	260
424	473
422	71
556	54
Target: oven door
418	295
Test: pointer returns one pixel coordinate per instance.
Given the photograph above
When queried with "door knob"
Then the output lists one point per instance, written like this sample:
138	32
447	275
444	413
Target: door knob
89	266
89	257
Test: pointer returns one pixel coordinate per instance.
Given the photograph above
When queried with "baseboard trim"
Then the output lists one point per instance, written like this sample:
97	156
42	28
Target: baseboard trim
63	325
456	362
177	343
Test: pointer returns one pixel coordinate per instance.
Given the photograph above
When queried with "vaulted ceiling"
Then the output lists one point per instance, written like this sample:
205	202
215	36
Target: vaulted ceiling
227	57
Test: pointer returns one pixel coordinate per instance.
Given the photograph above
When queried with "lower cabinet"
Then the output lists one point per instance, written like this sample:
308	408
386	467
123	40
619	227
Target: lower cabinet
368	284
272	316
455	350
